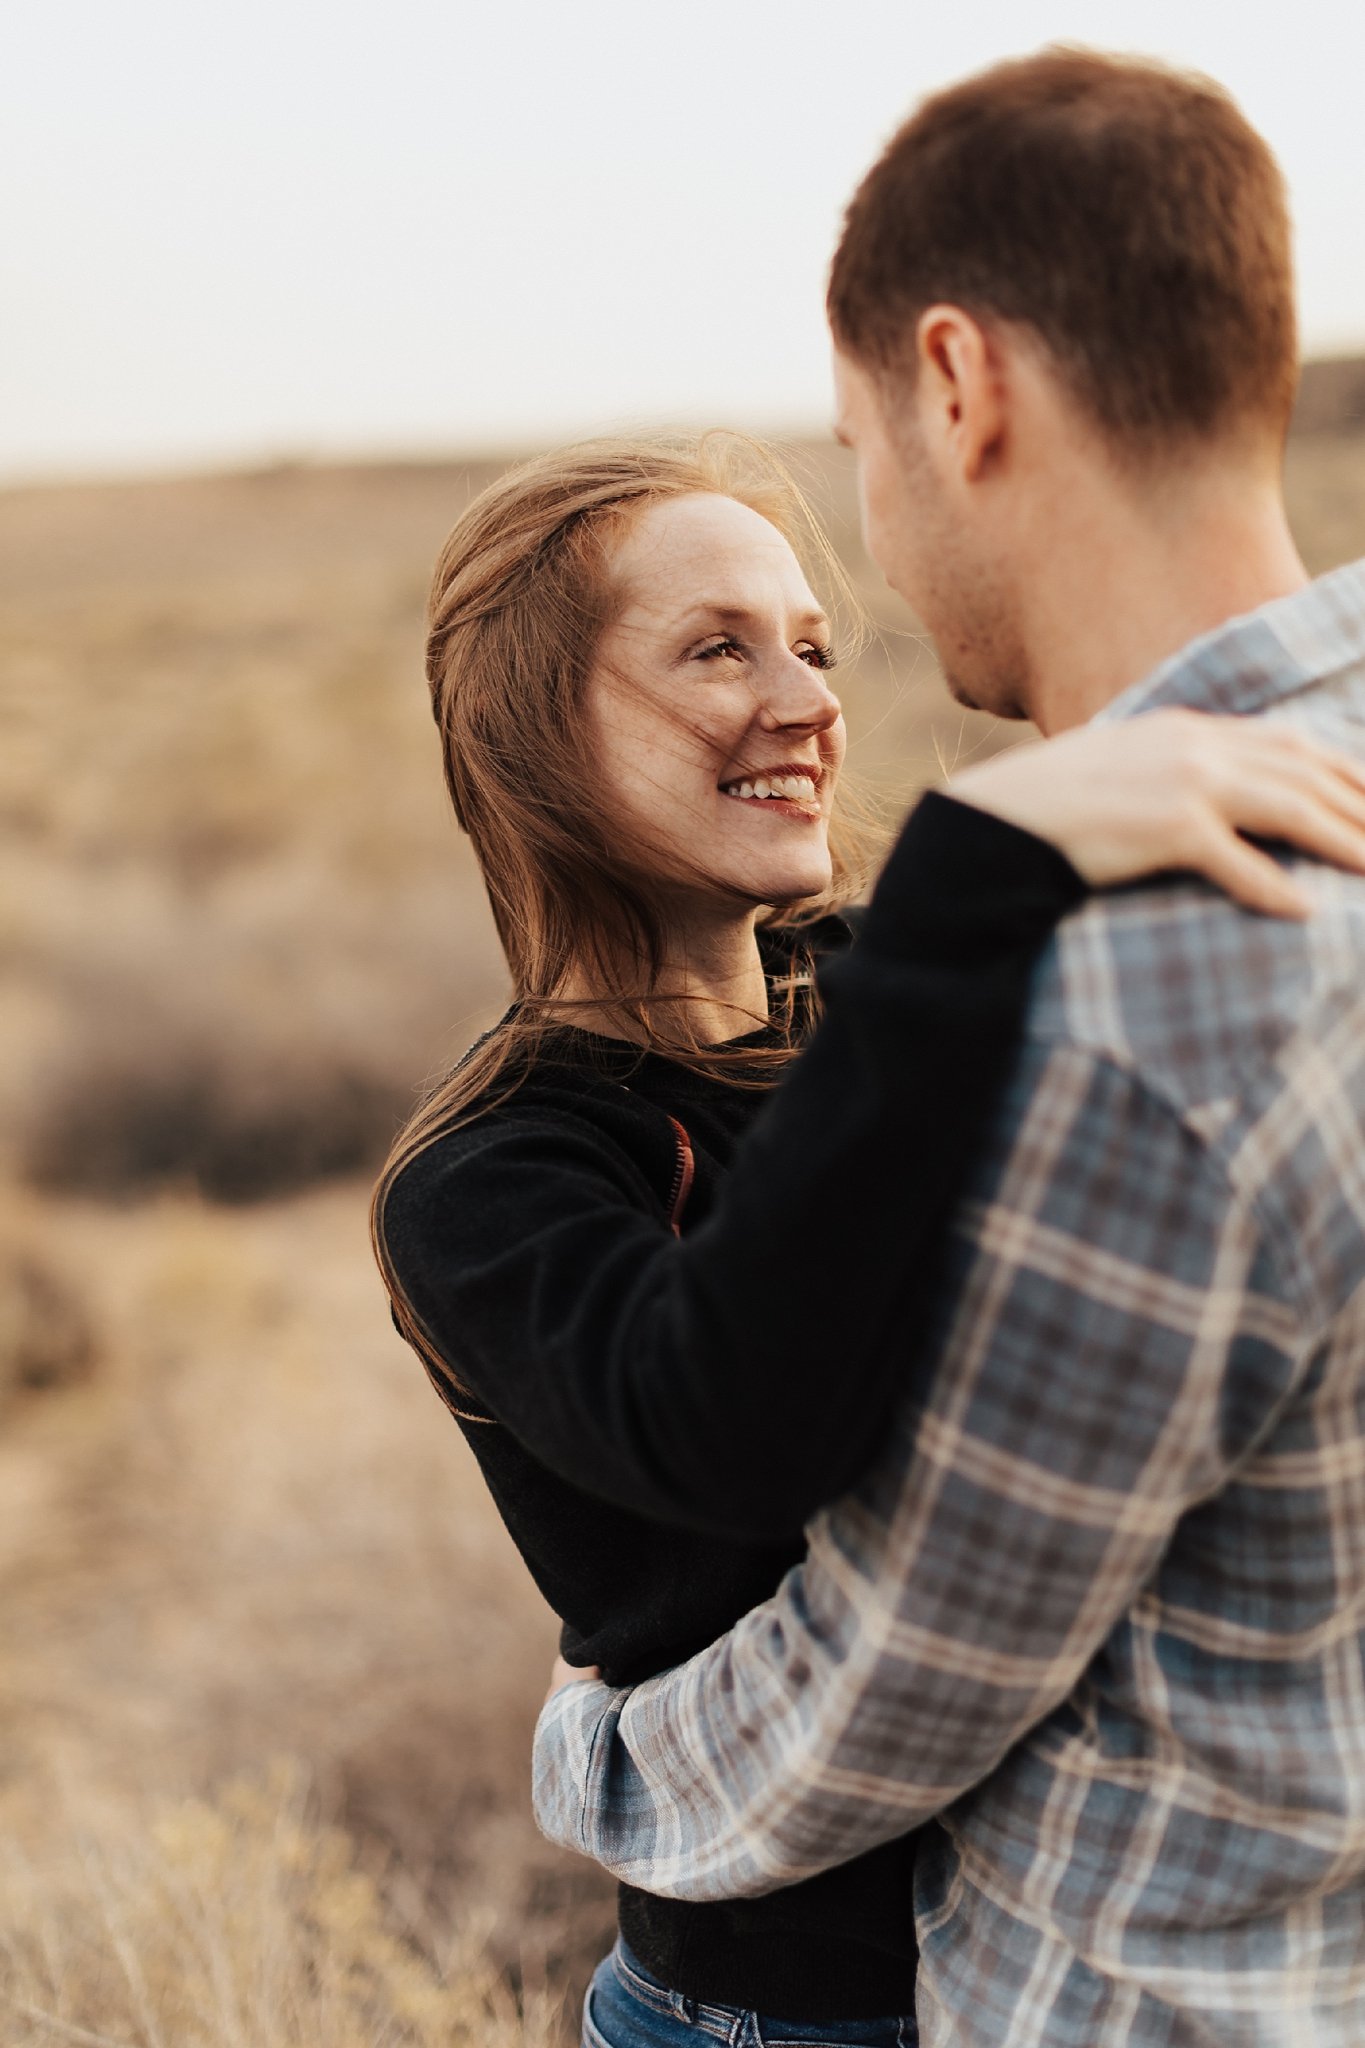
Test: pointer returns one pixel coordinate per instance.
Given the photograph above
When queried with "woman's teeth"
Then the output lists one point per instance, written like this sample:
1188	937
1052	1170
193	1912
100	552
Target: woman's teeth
796	789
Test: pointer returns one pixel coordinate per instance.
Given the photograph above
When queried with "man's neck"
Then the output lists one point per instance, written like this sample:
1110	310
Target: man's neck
1130	576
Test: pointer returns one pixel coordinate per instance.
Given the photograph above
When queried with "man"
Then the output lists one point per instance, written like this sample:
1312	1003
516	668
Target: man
1099	1607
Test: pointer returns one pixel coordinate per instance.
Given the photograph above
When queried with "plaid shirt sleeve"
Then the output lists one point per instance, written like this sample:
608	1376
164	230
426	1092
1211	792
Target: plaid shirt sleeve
1120	1331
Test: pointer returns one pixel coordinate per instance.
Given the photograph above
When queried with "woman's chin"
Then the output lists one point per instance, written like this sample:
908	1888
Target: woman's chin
788	891
778	886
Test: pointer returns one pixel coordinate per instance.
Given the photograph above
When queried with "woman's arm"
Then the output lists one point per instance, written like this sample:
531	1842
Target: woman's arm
737	1380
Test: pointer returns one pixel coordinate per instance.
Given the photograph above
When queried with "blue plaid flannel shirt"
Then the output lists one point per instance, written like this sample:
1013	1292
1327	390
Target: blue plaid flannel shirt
1098	1612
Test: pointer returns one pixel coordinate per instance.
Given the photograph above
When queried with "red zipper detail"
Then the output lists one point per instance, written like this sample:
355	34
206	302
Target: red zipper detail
683	1175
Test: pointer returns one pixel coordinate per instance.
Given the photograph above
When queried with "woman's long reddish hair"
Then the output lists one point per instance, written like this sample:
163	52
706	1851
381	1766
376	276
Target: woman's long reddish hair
521	595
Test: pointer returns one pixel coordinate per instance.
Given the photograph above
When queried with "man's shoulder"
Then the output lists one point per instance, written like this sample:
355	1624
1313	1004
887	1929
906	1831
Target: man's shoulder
1218	1012
1170	971
1191	1076
1172	979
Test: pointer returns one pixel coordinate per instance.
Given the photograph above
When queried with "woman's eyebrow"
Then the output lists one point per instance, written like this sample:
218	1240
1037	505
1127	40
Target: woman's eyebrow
741	615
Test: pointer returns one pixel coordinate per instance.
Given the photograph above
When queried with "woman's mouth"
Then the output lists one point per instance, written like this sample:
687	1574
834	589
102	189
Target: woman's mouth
792	789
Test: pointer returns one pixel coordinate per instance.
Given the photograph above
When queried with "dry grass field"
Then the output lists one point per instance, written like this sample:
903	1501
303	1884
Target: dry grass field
268	1665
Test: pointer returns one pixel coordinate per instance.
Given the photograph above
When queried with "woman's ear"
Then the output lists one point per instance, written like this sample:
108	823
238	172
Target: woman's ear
961	391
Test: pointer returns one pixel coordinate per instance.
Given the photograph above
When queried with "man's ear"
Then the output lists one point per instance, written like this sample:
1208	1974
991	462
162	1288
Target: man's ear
961	390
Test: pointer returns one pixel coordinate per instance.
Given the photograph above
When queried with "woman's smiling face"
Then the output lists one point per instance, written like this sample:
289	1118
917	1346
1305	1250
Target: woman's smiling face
717	736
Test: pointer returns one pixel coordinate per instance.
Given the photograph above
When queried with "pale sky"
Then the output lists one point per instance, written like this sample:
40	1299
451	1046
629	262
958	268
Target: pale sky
280	229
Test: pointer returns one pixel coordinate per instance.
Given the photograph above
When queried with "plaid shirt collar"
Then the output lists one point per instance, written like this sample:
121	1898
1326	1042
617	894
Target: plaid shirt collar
1263	658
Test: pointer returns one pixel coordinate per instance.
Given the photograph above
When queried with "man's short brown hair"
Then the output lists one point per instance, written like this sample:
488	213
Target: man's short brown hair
1127	213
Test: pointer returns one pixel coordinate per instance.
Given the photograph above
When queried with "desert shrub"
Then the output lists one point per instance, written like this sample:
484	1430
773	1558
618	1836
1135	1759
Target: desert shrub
45	1334
118	1128
243	1040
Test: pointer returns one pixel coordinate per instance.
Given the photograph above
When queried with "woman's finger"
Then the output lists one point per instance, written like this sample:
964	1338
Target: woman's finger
1343	766
1301	818
1246	874
1344	793
1285	758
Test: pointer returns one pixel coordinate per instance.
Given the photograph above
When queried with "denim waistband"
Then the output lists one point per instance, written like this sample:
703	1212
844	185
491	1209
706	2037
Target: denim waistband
740	2029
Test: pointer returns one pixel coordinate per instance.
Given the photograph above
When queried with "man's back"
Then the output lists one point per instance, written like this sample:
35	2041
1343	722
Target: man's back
1192	1816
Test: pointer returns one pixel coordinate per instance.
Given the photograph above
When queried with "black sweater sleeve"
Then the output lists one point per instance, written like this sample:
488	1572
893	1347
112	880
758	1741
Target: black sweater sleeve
735	1380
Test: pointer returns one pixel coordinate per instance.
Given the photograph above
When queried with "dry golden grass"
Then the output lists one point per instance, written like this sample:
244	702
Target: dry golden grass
268	1664
249	1552
230	1923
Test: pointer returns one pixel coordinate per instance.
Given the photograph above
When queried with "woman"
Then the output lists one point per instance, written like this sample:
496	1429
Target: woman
672	1319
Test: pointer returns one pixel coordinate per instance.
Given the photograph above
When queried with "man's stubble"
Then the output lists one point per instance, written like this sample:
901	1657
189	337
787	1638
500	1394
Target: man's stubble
962	594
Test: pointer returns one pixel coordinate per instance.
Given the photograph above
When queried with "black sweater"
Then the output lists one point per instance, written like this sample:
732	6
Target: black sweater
656	1417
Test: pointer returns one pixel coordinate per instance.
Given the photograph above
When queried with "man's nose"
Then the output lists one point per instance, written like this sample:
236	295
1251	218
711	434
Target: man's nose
798	695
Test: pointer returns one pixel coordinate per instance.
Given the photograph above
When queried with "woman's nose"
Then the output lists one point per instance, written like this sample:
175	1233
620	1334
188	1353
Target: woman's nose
798	695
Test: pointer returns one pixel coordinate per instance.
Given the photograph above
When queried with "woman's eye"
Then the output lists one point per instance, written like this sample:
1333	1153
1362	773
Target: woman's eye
812	653
819	657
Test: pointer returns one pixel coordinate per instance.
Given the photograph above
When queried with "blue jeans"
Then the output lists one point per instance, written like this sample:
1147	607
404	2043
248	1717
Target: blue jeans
627	2008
